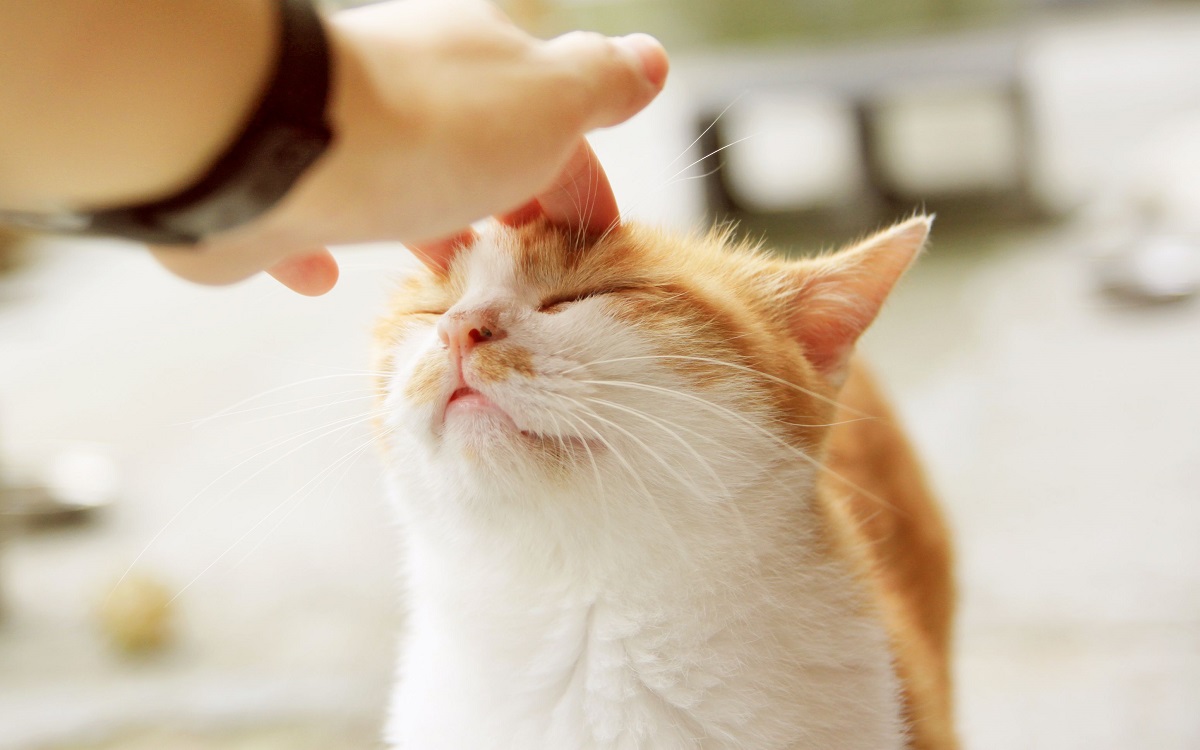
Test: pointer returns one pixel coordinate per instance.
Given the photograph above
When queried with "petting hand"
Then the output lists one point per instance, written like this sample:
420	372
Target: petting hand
444	112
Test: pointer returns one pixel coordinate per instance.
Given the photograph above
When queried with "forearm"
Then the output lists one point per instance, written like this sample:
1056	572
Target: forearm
107	103
442	112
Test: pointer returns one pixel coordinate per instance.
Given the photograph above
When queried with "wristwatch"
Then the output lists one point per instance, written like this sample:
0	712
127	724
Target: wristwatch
286	134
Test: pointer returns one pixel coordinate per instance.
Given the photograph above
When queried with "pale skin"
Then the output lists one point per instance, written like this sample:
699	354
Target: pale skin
444	112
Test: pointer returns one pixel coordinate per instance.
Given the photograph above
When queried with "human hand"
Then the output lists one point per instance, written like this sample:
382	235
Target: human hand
444	112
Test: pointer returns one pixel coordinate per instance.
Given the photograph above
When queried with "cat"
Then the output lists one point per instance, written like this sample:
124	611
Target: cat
636	512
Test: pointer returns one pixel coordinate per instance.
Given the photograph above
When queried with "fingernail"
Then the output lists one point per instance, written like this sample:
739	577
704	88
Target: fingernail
651	55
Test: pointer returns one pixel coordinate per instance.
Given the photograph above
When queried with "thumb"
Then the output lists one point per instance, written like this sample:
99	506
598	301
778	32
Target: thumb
622	74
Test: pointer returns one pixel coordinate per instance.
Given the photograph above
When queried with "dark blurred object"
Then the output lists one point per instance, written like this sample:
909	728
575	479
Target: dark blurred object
11	241
76	487
33	507
938	123
1141	230
136	615
27	507
1154	268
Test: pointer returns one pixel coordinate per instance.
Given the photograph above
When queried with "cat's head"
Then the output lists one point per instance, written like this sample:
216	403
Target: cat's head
656	371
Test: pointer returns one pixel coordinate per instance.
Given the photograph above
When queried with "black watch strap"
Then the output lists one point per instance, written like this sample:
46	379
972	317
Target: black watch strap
286	134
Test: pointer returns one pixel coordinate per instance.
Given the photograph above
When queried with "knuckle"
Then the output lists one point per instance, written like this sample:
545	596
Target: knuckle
592	50
597	82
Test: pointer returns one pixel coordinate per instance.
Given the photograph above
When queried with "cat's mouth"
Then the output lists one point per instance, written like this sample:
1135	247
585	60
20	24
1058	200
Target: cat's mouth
469	398
466	402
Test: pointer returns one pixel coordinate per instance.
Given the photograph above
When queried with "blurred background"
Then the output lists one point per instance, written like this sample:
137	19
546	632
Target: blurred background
195	551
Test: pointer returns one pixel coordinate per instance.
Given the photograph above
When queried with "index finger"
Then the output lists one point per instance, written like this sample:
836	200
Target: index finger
579	198
437	255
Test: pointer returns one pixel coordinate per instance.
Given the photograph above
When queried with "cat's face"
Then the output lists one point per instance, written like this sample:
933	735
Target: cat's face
672	370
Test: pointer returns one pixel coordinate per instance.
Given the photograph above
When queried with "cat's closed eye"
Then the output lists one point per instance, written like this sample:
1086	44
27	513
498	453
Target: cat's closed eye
557	302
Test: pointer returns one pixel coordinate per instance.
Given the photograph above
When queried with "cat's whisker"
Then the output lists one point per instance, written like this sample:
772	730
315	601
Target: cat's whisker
605	442
604	506
612	226
681	548
339	369
703	133
815	425
683	481
276	389
562	443
293	401
777	421
580	218
700	176
329	430
673	471
646	195
710	154
260	522
347	460
591	459
662	424
703	402
567	350
724	447
673	179
332	426
731	507
637	478
759	428
288	402
723	363
589	204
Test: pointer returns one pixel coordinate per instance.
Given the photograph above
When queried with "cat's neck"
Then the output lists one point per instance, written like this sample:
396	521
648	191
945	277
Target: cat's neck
700	632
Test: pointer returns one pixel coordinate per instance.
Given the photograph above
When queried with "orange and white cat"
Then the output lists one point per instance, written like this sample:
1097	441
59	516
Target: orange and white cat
648	500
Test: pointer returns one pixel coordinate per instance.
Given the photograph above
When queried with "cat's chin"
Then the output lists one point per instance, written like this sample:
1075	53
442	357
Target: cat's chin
474	415
471	415
468	403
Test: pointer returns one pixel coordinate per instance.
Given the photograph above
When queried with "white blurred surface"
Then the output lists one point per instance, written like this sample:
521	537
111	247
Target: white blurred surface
103	348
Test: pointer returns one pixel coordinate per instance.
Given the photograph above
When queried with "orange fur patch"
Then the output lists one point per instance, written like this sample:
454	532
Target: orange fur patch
882	507
496	362
425	385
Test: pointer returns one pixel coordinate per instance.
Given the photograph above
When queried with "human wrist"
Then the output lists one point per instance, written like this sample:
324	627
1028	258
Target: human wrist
382	113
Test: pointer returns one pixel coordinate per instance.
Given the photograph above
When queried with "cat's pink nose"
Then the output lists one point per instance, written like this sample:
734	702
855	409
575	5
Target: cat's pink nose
463	330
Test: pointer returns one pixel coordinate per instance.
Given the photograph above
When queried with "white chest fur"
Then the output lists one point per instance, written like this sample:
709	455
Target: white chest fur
667	657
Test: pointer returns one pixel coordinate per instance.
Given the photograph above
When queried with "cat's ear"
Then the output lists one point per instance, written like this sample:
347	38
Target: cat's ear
833	299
